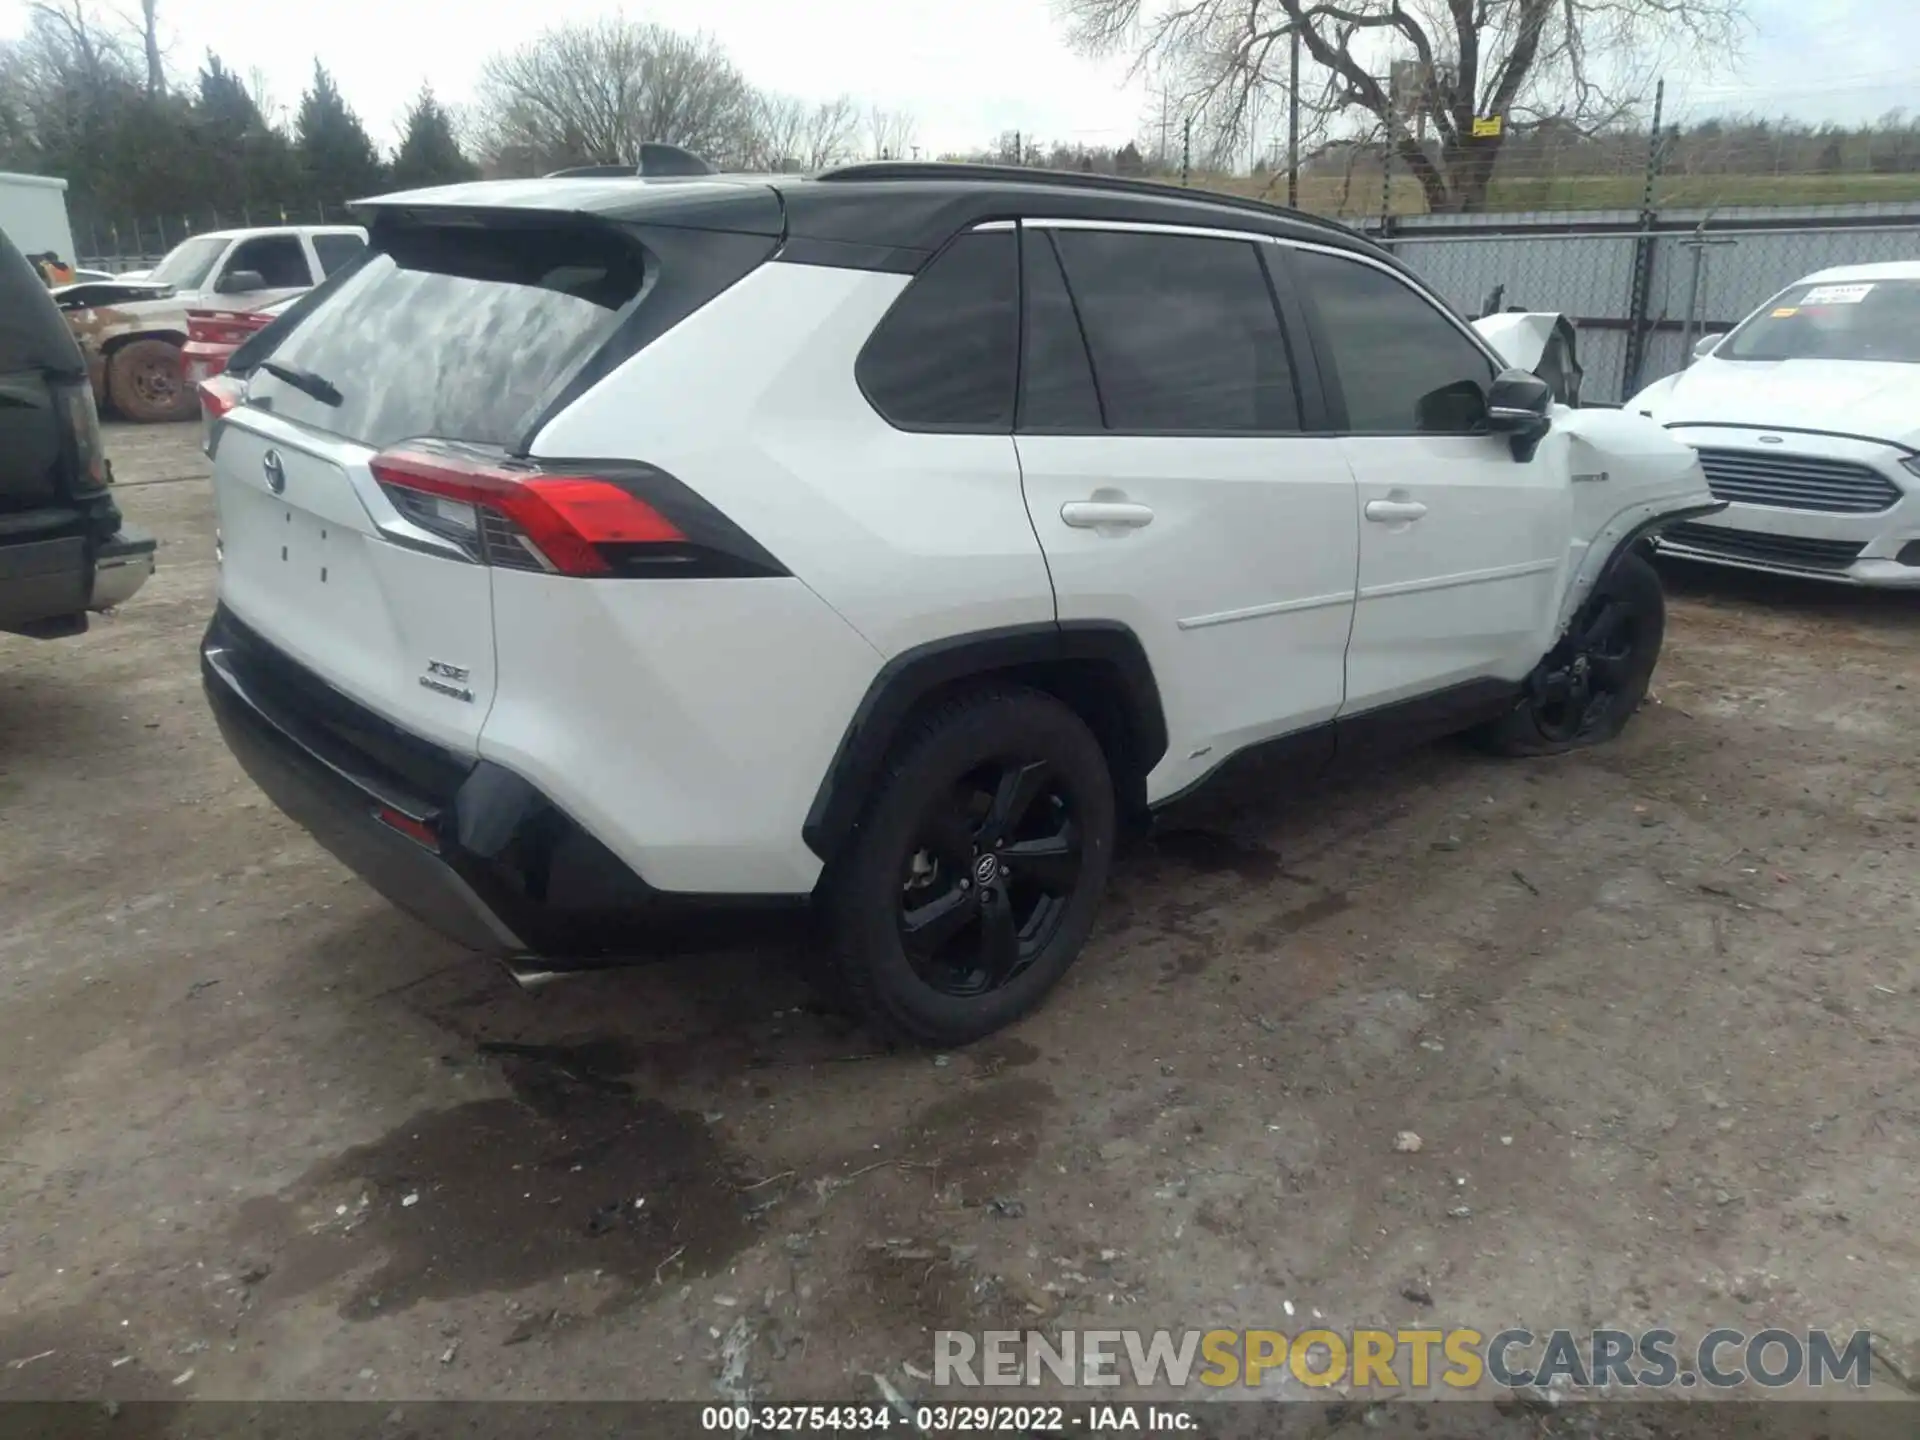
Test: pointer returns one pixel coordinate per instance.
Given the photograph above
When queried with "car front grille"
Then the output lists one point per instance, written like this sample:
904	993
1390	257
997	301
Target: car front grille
1798	482
1787	550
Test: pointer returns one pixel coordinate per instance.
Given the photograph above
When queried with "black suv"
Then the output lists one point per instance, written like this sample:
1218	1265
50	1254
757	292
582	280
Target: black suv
63	551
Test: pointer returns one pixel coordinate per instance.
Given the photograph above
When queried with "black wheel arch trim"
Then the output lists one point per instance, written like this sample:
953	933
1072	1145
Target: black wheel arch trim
911	676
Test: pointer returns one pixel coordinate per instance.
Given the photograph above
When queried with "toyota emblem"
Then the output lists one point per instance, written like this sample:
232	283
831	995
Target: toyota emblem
275	469
986	869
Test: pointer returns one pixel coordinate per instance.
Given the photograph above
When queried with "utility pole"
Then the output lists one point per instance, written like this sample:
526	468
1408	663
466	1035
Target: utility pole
1293	123
1640	291
1162	157
1186	148
1019	149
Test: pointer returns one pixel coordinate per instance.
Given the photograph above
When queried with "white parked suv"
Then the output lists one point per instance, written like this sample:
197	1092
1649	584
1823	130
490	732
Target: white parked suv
608	560
1807	419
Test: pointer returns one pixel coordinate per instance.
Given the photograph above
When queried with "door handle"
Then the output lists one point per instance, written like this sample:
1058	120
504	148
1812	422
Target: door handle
1389	512
1105	514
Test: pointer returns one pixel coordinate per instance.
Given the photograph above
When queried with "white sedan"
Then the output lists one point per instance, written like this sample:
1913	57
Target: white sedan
1807	419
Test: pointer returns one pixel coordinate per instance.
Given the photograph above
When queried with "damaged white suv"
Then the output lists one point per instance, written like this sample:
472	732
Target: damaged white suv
605	558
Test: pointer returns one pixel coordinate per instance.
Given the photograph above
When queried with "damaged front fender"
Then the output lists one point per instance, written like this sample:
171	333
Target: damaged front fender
1630	479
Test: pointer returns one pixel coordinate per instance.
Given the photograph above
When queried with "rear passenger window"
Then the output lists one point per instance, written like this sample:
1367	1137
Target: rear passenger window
946	355
1182	331
334	251
1404	367
277	259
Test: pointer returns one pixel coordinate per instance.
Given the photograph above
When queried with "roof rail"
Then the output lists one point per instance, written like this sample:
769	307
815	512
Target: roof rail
1078	179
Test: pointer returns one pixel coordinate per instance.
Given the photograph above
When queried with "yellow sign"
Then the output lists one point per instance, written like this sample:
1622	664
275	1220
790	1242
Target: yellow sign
1485	126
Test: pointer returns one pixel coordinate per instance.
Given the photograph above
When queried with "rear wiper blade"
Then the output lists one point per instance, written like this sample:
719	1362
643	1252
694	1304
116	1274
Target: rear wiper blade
304	381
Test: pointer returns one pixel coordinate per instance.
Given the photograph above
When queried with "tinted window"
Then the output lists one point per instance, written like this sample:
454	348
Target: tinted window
946	353
1057	381
1182	332
456	334
1838	320
1403	366
336	250
280	261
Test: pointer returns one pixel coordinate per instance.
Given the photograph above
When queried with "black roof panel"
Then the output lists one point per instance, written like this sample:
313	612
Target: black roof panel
882	216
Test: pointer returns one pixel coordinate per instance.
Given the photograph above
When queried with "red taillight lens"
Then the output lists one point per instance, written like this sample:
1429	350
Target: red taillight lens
218	396
565	517
224	327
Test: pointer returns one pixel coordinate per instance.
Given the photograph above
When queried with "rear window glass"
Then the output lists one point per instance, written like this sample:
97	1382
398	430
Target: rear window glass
459	334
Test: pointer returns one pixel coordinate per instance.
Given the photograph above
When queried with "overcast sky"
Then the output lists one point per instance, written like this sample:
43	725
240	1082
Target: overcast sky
967	71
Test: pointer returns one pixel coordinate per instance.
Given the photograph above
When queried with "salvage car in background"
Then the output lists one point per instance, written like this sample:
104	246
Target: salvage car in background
63	550
131	331
213	336
1807	418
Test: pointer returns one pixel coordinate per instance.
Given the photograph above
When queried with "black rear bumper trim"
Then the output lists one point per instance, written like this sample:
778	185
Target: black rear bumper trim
509	874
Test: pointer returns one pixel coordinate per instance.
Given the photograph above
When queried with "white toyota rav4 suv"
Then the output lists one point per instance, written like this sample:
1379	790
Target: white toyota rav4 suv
605	561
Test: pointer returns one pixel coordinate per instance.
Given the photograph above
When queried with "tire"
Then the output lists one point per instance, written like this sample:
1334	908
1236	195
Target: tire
145	384
994	777
1588	688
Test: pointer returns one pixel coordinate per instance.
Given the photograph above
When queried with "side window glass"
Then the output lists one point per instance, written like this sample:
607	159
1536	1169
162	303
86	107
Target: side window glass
1057	382
281	262
1182	331
334	251
1403	366
946	356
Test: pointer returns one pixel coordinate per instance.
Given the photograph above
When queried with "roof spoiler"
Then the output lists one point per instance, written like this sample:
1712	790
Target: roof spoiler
655	160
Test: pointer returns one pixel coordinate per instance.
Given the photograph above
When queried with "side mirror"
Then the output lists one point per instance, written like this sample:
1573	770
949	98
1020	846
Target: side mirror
1706	345
1520	406
239	282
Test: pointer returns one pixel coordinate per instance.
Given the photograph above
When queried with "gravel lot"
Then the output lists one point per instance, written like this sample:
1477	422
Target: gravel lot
1653	1011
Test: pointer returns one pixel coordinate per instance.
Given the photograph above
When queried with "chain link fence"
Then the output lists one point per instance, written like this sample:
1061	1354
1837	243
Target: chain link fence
1643	288
139	242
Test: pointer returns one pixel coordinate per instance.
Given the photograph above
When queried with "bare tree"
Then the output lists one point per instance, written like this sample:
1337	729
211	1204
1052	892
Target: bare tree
596	92
890	131
1574	62
150	47
779	133
832	134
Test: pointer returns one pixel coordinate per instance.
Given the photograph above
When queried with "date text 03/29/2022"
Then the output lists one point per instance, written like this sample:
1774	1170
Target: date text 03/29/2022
947	1419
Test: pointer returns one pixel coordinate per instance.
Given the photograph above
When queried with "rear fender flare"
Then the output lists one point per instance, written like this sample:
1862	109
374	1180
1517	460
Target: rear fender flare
1027	654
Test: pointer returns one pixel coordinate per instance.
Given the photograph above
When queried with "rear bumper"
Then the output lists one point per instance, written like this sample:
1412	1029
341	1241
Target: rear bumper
62	578
466	846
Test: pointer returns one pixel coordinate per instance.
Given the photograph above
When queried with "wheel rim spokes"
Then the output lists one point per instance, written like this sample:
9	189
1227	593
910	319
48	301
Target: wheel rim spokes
994	864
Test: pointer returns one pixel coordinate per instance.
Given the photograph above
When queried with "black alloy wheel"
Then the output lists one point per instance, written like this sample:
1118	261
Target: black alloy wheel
992	877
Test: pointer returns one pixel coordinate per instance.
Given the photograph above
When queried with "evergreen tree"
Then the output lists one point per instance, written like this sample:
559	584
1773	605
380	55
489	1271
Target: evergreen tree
336	156
224	101
429	154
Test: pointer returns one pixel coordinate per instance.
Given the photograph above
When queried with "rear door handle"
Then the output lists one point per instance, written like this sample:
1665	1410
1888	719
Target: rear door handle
1105	515
1389	512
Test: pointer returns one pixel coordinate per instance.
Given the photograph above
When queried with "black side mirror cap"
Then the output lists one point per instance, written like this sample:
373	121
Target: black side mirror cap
1520	406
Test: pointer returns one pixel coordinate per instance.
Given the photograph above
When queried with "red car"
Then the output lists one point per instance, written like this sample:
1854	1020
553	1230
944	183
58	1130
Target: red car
213	336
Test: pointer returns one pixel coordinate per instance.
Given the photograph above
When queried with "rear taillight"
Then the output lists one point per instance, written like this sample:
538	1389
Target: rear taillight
217	396
589	520
83	423
224	327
